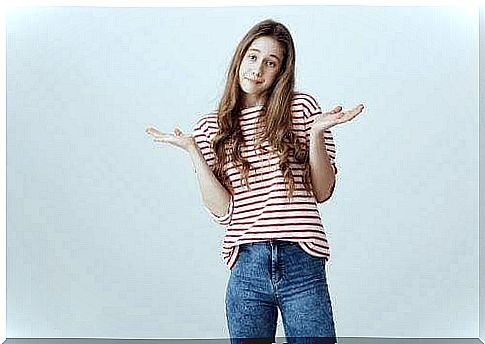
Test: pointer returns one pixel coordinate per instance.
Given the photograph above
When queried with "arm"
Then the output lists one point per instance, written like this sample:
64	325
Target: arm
322	172
214	196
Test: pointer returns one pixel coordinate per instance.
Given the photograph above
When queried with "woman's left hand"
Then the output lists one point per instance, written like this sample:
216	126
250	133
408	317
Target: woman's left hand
336	116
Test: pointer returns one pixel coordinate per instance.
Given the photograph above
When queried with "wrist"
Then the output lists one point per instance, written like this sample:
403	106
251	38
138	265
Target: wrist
192	148
320	129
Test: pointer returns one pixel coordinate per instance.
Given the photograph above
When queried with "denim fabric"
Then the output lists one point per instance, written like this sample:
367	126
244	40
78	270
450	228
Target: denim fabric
280	274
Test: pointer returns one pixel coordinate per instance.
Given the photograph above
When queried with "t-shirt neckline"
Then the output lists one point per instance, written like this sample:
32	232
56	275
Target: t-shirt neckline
252	108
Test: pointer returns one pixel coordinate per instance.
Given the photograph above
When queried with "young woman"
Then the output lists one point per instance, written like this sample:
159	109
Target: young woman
264	160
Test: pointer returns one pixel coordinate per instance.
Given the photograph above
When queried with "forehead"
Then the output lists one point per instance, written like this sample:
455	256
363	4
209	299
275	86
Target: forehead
268	46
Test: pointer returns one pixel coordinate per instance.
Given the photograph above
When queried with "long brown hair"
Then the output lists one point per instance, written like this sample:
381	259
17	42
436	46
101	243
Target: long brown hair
276	121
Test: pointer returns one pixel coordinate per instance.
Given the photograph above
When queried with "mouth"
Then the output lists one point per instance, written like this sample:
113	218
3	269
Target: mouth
252	79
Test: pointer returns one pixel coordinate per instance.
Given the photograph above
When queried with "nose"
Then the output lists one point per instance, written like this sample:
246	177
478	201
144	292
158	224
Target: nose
258	69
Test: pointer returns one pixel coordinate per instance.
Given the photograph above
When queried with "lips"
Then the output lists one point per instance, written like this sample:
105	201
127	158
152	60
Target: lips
255	80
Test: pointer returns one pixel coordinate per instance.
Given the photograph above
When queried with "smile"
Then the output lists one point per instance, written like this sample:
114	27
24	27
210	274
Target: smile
254	79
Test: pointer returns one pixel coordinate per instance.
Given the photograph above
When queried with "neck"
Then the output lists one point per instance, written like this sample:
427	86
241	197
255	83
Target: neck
250	100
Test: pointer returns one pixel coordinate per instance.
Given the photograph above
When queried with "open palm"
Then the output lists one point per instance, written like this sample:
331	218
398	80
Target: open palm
178	138
336	116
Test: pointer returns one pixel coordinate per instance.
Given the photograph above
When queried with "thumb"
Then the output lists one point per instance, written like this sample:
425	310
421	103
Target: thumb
336	109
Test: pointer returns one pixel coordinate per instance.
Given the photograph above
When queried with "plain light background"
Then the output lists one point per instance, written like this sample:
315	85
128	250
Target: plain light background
482	176
106	234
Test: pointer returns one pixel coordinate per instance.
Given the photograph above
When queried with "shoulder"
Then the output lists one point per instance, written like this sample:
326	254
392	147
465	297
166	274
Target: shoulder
305	102
206	123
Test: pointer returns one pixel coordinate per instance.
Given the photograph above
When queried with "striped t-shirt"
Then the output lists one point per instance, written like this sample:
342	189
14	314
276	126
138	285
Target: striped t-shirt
264	212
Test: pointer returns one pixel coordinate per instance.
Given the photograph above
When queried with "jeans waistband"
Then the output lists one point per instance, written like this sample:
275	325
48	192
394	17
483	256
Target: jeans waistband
275	242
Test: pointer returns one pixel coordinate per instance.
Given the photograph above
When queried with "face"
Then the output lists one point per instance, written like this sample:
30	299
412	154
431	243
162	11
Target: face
260	68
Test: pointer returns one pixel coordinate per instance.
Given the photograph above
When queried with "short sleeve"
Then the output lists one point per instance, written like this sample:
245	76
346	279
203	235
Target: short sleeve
203	130
312	109
225	219
201	134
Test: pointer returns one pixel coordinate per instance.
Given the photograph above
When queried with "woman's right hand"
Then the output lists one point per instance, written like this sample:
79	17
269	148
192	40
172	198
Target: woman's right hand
178	138
214	195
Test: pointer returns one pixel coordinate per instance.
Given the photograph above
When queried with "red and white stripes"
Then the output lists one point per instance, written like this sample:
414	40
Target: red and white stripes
263	211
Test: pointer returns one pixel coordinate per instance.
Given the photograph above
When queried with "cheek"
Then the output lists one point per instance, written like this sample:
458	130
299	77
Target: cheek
274	77
240	76
241	71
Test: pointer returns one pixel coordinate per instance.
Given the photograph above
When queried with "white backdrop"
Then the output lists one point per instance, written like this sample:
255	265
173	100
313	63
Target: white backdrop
106	234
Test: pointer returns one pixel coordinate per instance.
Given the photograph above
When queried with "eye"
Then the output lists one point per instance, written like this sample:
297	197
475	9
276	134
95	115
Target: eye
252	57
271	64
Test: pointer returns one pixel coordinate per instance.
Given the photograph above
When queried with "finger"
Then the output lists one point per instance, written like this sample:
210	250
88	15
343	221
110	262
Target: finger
168	138
162	138
335	110
150	129
153	131
338	108
345	116
359	108
171	140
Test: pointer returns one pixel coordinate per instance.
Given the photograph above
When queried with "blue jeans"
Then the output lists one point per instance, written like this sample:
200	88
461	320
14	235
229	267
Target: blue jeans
273	274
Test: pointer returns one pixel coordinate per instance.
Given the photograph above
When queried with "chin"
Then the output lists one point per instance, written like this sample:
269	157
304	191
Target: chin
252	90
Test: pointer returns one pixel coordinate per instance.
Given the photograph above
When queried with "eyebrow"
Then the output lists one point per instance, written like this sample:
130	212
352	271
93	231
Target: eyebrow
273	55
